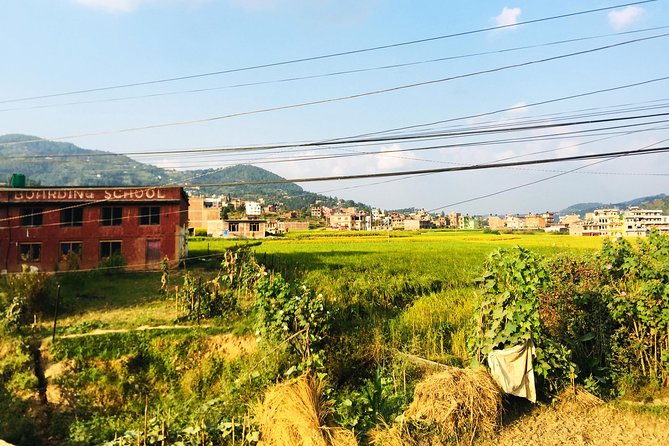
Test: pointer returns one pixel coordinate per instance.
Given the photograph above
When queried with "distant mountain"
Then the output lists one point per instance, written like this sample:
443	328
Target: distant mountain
660	201
74	166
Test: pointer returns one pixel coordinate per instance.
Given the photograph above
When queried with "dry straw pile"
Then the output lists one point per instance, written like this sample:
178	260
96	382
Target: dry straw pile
294	413
457	401
447	405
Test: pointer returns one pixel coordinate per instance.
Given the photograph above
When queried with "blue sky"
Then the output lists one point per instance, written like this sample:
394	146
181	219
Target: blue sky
57	46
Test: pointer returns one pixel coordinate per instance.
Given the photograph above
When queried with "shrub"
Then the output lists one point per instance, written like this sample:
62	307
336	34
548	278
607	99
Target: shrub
508	315
200	232
113	263
296	315
637	290
25	295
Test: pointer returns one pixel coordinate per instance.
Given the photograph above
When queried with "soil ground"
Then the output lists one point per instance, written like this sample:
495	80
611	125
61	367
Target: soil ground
572	423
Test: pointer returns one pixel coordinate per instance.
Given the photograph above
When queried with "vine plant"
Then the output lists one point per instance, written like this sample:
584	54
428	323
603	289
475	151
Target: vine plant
508	314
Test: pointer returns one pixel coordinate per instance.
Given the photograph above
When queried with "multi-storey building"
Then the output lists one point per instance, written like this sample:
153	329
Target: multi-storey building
79	227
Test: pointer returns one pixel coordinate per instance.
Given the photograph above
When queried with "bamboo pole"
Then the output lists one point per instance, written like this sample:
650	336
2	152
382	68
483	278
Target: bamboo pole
146	417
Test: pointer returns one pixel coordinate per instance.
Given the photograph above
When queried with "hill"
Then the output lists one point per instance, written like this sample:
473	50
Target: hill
660	201
64	164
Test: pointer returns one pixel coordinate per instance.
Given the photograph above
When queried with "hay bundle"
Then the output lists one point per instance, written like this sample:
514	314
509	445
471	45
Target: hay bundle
295	414
580	396
457	401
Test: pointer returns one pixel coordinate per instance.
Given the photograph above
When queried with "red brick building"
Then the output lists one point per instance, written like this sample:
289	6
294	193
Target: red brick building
61	228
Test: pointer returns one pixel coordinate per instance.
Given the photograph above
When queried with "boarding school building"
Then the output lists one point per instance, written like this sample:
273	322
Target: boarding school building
80	227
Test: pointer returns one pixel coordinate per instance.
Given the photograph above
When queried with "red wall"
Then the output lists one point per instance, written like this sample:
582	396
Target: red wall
173	205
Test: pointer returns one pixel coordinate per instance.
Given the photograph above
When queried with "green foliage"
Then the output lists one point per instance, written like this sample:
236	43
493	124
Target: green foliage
24	295
379	399
16	425
200	232
575	313
17	384
508	314
229	292
637	288
434	326
296	315
112	264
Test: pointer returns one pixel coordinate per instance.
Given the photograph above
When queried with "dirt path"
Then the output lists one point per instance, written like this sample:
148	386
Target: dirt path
98	332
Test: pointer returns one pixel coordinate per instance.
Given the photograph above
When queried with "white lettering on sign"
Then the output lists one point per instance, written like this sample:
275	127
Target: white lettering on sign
76	195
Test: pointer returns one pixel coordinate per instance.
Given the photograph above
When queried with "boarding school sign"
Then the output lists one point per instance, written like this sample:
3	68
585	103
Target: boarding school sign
110	194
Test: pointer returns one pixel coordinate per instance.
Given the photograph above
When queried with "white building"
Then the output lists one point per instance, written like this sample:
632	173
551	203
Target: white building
253	209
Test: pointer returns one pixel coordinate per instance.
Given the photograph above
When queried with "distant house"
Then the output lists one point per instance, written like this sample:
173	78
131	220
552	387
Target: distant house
415	224
246	228
469	222
454	219
253	208
205	213
316	212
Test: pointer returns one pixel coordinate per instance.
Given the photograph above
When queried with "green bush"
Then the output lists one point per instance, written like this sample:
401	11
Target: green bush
508	315
25	295
637	291
113	263
200	232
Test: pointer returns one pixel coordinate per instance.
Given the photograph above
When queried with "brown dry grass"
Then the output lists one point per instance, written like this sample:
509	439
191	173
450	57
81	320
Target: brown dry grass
230	346
458	401
295	413
573	422
446	405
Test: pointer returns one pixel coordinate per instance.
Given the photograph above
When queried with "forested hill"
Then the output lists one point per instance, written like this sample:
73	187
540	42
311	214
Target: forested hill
99	168
660	201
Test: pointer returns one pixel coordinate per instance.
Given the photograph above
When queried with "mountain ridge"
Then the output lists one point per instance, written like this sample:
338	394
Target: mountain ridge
112	169
659	201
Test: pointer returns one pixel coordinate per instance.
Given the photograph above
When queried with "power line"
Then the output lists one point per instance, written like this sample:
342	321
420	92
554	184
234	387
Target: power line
452	134
330	74
326	56
499	192
357	95
622	153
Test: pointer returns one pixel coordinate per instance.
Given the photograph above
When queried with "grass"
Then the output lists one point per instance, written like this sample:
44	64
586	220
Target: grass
407	291
112	301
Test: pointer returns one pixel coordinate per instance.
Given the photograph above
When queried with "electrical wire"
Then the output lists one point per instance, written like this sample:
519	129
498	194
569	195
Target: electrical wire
357	95
330	74
499	192
327	56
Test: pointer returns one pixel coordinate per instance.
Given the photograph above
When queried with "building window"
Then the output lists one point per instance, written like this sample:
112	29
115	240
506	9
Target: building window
112	216
69	248
254	227
31	216
233	227
108	249
30	252
72	216
149	215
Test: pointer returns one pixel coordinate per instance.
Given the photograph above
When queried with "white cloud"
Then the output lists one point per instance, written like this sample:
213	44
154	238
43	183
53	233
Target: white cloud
389	161
622	18
519	108
508	16
256	5
125	6
567	148
113	6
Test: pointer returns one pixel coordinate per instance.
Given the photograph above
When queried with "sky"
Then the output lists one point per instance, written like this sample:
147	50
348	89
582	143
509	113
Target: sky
156	76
